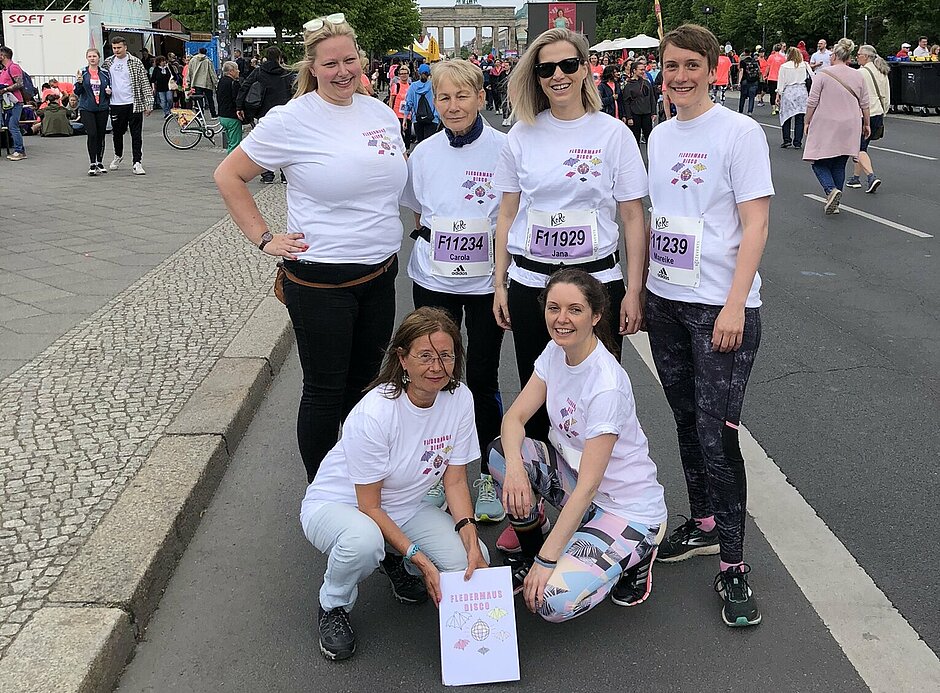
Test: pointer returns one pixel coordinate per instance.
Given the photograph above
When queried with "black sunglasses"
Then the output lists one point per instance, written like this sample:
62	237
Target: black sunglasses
569	66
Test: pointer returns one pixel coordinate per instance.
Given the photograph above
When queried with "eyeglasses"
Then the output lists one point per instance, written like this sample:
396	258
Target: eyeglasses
569	66
317	24
426	358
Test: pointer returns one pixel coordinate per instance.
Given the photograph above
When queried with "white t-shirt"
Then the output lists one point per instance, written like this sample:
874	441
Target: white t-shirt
346	170
122	93
703	168
591	399
452	183
920	52
591	163
823	58
405	447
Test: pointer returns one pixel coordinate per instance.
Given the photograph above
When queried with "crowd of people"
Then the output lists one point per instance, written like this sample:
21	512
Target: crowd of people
517	232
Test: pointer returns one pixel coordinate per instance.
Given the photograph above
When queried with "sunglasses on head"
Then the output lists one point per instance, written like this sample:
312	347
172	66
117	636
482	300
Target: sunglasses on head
569	66
317	24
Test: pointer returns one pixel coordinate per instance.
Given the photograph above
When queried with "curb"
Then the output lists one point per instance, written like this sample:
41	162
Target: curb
85	634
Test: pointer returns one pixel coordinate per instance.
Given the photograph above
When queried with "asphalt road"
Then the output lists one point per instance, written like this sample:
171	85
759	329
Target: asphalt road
844	397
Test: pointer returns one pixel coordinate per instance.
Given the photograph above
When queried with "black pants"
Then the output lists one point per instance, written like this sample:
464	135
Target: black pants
341	335
209	97
123	117
642	125
484	339
705	390
425	130
406	132
797	122
96	126
530	335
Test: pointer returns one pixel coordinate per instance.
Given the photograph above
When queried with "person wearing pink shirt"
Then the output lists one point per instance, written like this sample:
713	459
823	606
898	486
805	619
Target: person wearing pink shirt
774	61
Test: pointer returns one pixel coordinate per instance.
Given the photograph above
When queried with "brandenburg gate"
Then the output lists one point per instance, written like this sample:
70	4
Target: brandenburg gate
498	22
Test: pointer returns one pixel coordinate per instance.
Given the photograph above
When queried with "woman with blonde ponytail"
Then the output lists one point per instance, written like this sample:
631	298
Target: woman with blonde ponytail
339	248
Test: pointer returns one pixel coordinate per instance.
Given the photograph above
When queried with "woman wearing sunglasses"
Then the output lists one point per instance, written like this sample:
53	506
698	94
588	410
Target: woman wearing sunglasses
339	246
412	429
566	171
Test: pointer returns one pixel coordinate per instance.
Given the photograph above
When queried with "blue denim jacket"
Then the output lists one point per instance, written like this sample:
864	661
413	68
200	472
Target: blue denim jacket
86	97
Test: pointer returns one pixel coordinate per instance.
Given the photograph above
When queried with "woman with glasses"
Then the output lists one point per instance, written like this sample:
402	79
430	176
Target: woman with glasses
413	428
339	248
565	173
451	264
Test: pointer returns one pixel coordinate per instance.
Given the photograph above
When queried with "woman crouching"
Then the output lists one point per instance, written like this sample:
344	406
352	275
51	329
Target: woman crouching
364	508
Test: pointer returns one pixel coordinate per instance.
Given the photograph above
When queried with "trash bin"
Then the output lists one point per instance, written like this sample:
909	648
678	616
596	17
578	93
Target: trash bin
894	81
920	84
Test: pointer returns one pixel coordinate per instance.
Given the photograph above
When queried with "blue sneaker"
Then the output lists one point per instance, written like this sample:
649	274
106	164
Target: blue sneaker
488	508
435	496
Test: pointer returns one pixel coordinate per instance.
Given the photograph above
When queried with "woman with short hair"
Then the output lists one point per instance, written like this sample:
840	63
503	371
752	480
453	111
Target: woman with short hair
875	71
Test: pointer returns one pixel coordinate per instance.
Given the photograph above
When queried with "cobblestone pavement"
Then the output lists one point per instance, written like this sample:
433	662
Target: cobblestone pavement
80	418
69	243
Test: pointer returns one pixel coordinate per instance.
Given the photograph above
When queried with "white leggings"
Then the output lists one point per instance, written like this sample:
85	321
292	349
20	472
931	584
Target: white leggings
354	546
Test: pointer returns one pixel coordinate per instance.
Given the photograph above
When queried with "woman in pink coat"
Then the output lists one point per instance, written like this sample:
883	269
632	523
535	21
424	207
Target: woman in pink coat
836	119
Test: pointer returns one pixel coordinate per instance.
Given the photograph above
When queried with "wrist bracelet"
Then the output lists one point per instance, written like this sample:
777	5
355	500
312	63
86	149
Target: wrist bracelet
412	550
464	522
544	562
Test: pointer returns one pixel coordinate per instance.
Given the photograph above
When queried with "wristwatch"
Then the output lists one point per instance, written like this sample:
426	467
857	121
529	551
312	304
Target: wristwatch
266	238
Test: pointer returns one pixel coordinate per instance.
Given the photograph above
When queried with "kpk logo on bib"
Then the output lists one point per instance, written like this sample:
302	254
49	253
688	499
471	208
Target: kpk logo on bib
479	186
381	141
689	169
436	454
583	163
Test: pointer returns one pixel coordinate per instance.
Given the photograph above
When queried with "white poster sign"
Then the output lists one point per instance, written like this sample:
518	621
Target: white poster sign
478	628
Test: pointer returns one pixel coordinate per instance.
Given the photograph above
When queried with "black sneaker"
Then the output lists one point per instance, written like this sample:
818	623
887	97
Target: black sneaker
688	540
740	607
407	588
635	584
520	566
337	639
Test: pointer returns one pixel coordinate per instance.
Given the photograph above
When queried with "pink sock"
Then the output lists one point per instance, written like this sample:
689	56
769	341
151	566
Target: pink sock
706	524
722	566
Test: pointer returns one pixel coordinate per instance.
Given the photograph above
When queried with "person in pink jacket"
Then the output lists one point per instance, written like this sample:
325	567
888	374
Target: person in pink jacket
836	118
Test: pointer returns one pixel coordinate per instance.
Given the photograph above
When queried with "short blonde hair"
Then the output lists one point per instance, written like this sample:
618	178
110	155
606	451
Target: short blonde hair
462	73
306	82
525	90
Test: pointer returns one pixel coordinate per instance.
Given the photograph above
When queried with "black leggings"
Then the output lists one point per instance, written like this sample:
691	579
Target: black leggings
705	390
642	125
96	126
530	335
341	335
484	339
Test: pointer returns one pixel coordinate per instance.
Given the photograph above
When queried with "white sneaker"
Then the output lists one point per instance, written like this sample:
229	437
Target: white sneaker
116	163
139	169
92	170
505	122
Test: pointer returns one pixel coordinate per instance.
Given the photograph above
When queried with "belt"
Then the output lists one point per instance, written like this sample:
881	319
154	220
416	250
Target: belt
605	263
423	232
345	285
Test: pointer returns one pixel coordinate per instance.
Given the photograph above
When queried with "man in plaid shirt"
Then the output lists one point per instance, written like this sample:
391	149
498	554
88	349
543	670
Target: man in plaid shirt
131	100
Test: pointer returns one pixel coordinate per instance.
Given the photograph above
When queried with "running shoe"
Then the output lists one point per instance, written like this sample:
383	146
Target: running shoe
785	145
635	584
832	201
853	182
116	163
16	156
435	496
508	542
873	183
407	588
487	508
520	567
92	170
740	608
688	540
101	168
139	169
337	638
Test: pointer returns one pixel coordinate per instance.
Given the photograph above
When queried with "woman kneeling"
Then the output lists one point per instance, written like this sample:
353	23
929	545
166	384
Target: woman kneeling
597	470
364	508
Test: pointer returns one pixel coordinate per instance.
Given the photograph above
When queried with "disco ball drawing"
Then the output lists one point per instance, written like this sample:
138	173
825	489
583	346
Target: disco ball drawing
480	631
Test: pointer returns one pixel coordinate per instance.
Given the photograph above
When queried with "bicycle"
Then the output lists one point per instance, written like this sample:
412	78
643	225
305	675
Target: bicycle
184	128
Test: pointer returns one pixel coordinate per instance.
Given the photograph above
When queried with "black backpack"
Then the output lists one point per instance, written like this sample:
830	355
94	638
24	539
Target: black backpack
751	70
424	113
255	97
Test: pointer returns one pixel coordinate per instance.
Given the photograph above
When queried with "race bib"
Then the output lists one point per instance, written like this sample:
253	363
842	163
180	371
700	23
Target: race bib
676	249
461	247
568	236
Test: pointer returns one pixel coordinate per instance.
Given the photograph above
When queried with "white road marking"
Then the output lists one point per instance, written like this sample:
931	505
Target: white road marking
879	642
872	217
872	146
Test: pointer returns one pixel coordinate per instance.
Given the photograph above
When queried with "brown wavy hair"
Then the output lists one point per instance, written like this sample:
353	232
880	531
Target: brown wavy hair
421	323
596	296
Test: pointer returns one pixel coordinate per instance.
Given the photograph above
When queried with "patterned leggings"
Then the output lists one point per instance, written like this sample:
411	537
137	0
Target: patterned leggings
601	549
705	390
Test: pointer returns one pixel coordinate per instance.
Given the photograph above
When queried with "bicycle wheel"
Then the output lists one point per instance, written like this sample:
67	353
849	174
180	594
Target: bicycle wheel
178	137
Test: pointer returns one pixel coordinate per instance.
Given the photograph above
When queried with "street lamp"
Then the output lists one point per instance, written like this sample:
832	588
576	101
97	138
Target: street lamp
845	19
763	26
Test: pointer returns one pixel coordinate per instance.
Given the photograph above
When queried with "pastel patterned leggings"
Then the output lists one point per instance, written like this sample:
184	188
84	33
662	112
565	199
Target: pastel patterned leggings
601	549
705	390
